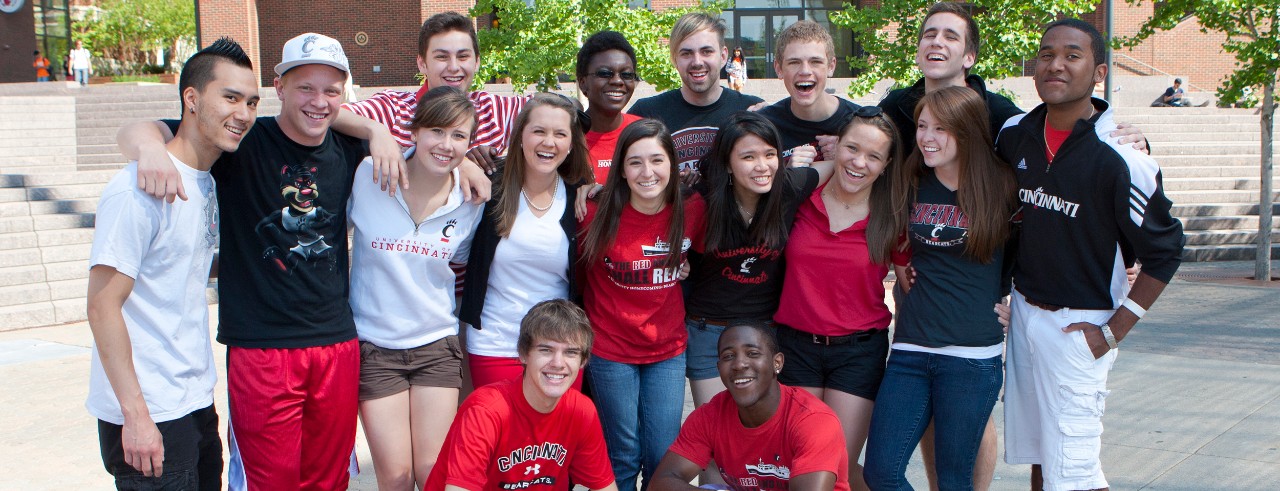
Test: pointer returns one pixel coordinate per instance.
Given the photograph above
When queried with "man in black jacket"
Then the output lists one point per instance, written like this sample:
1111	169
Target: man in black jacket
1090	207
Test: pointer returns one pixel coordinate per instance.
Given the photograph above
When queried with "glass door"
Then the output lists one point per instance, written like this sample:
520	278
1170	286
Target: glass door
755	31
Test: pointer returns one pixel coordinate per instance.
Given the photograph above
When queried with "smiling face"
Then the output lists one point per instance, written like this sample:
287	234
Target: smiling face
226	108
698	58
450	60
861	156
941	53
309	100
441	149
609	95
550	367
753	164
546	139
804	68
937	144
748	367
1065	69
647	170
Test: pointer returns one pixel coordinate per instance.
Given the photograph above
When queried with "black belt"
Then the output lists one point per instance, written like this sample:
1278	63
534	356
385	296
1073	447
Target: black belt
709	322
1041	305
856	337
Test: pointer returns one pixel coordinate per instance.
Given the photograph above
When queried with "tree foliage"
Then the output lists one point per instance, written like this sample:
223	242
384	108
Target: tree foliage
1010	32
1252	28
534	45
129	30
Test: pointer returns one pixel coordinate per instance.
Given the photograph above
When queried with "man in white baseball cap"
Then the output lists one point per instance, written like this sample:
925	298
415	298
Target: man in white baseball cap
293	360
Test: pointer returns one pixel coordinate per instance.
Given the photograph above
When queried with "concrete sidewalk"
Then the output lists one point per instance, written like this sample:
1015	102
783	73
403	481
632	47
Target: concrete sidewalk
1195	402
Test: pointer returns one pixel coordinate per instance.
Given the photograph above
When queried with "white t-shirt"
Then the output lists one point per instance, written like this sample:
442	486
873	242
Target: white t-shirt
402	289
167	250
530	265
80	59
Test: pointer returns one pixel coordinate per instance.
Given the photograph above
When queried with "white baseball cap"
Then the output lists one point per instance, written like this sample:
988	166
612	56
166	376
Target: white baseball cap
312	48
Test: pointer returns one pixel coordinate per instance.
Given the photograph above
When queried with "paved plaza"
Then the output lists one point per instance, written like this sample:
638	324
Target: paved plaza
1195	402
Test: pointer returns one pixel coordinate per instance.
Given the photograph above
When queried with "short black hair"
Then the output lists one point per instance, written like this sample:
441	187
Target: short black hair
446	22
1099	48
197	72
37	53
766	332
598	43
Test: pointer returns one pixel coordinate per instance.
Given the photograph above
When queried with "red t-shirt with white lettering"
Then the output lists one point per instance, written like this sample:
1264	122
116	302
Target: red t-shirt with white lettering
802	437
602	145
636	306
498	441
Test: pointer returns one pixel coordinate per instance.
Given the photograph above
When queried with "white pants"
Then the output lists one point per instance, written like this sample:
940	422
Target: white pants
1055	393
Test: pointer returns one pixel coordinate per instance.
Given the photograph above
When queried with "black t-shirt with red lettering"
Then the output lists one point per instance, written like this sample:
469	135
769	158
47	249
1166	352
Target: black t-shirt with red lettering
692	127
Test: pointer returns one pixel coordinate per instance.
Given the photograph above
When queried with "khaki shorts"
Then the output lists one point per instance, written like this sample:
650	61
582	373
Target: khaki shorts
385	372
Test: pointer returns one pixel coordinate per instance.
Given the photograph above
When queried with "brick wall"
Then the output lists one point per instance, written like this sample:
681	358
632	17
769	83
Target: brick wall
18	40
237	19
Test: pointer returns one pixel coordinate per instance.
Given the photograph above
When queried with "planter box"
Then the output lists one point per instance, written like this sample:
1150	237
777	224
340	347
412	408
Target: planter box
98	80
168	78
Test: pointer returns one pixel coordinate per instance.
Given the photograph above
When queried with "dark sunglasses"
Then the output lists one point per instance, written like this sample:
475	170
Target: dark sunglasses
868	112
607	74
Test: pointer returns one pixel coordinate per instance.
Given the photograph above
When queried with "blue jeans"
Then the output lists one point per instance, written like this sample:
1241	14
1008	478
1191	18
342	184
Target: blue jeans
82	76
640	408
956	393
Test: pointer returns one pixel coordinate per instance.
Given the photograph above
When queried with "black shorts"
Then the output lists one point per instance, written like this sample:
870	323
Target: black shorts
192	454
853	364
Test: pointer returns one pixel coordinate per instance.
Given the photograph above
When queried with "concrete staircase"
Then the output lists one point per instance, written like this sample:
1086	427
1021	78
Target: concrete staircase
57	151
1211	165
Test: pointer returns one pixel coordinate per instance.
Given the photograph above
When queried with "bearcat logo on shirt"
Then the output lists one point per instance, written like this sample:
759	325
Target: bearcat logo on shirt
447	231
940	217
744	274
546	451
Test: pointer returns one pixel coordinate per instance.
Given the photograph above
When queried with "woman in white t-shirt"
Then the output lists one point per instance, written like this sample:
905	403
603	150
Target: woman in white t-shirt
526	245
402	292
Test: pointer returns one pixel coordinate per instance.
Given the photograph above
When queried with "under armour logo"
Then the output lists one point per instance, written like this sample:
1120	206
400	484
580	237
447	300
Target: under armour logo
533	469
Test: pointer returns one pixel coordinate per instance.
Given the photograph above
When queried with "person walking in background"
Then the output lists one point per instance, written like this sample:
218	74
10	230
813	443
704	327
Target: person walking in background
737	70
78	59
41	65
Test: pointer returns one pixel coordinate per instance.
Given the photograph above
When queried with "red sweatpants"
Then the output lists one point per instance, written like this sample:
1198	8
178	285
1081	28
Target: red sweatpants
293	416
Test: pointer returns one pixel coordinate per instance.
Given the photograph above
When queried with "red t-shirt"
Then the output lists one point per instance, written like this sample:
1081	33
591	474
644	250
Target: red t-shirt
602	145
636	307
498	441
832	288
1054	138
802	437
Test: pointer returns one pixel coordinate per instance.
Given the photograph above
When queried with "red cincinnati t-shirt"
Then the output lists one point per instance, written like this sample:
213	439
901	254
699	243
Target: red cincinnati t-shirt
636	306
832	288
498	441
802	437
602	145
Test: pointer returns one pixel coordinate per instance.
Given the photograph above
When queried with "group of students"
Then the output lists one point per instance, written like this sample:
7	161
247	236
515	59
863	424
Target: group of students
704	235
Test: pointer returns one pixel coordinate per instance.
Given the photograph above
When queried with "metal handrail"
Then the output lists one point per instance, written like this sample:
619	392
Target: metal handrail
1154	69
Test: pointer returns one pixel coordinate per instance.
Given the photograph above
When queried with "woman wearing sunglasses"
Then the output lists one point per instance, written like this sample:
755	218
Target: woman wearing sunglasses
607	77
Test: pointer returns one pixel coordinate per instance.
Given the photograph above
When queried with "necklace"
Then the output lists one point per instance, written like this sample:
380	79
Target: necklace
1052	154
847	206
749	215
555	191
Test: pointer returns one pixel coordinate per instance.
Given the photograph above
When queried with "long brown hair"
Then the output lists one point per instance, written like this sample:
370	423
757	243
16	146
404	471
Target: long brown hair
882	236
617	195
575	169
986	188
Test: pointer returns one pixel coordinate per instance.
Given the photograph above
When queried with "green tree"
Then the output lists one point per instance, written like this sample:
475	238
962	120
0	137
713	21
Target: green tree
1010	32
128	30
534	45
1252	28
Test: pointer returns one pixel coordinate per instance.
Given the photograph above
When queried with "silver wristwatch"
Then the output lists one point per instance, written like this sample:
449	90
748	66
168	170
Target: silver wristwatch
1110	337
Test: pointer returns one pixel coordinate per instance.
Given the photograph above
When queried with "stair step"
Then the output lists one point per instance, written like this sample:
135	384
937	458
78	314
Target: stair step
1228	196
1225	253
1200	171
15	224
57	165
1219	209
66	271
1207	149
23	316
1226	237
99	159
1216	135
19	257
66	191
1242	222
62	178
1141	120
1214	183
65	253
1167	161
21	275
15	209
17	240
69	310
23	294
69	289
101	167
66	236
70	220
62	206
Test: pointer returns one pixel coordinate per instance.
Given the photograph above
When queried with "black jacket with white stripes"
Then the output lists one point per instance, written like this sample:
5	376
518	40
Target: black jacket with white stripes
1099	206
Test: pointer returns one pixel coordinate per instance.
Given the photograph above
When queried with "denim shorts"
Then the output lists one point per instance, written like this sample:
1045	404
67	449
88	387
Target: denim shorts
855	367
702	353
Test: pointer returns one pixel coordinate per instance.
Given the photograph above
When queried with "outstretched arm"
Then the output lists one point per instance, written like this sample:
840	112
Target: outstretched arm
140	438
144	141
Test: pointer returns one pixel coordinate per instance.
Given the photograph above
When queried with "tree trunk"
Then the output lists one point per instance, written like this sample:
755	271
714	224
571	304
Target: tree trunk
1262	268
